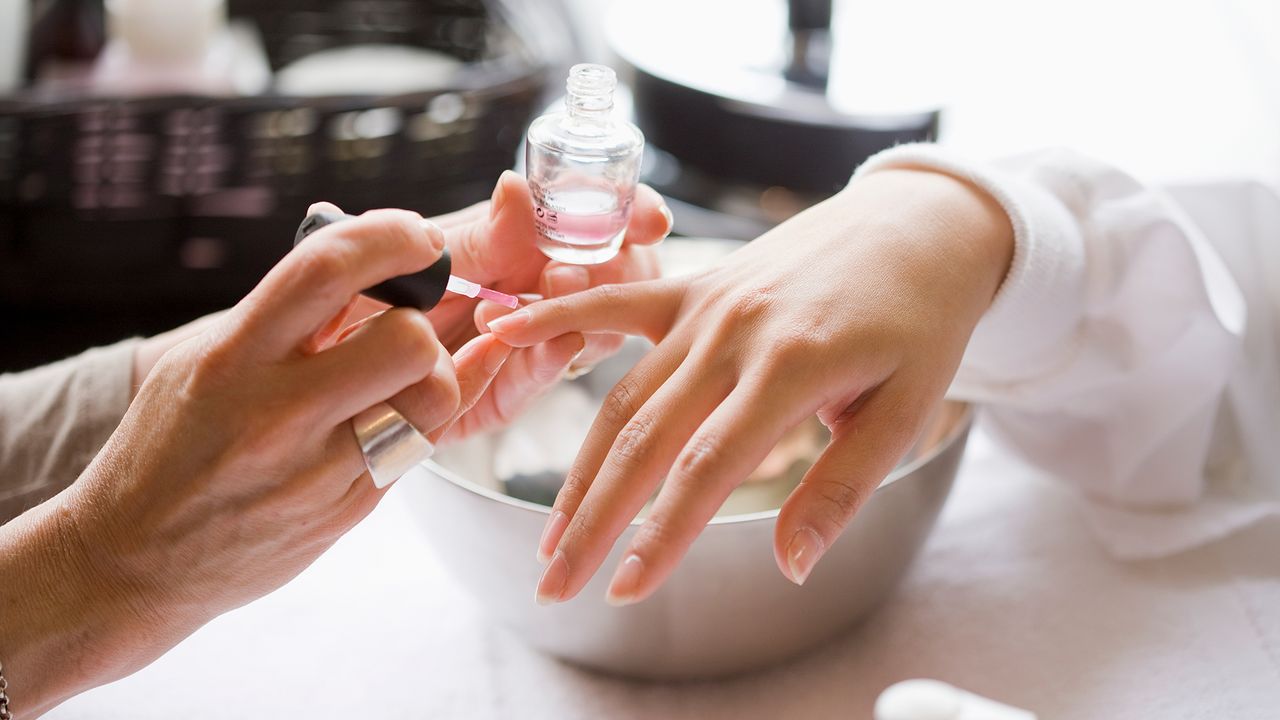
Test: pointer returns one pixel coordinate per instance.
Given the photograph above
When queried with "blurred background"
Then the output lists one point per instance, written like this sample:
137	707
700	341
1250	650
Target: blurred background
157	155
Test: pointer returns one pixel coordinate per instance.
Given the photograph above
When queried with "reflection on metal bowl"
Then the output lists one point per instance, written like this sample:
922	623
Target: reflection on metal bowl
727	608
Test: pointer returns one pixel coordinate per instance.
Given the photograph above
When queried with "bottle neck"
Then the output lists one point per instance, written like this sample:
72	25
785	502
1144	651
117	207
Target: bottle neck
594	109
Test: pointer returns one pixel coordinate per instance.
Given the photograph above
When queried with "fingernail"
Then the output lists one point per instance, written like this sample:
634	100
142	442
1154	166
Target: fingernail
671	219
434	234
554	578
626	582
802	554
551	534
499	196
510	323
495	357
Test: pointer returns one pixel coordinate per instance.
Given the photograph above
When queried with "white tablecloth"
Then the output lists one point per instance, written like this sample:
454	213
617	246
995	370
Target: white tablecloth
1011	598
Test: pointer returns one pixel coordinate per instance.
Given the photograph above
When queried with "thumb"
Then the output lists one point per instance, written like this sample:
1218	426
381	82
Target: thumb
502	246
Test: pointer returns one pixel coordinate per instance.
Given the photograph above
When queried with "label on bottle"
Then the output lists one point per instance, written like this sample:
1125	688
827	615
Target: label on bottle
546	215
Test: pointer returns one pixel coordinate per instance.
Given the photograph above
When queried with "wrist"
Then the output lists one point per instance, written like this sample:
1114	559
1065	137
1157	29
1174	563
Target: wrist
945	216
68	625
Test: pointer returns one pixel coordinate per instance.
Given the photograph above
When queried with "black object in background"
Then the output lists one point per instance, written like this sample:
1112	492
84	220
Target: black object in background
130	217
64	34
737	150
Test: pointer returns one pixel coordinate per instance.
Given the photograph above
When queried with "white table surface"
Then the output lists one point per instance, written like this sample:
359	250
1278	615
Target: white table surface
1010	598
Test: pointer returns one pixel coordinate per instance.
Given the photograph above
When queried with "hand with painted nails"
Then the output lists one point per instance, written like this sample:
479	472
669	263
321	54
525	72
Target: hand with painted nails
857	311
494	244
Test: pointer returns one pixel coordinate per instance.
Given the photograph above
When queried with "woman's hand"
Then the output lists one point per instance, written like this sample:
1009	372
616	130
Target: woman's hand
857	310
494	244
235	466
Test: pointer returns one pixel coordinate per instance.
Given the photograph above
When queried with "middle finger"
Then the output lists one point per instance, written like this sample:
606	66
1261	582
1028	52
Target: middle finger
639	448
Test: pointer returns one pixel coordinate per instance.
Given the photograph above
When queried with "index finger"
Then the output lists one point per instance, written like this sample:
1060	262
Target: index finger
643	308
321	276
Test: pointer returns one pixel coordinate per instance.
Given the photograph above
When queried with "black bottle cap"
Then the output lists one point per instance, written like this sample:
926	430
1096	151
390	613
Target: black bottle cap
422	290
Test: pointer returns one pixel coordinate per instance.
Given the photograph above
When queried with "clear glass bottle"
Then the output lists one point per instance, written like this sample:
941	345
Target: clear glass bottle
583	166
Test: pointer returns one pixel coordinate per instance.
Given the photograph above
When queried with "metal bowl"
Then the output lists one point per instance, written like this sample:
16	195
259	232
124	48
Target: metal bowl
727	608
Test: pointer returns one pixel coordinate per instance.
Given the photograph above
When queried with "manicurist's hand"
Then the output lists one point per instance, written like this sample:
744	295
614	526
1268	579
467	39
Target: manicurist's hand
857	310
494	244
235	466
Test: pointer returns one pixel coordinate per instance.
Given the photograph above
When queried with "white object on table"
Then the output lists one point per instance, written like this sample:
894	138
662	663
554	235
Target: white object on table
936	700
14	26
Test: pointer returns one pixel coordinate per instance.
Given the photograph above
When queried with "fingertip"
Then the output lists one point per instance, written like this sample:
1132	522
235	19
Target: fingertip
571	343
434	234
508	325
627	586
509	191
323	207
653	221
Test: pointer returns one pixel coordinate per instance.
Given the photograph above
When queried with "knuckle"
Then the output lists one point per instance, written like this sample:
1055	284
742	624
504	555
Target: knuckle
703	453
610	294
793	346
632	442
621	403
575	487
324	265
402	227
654	535
840	500
442	394
754	303
413	335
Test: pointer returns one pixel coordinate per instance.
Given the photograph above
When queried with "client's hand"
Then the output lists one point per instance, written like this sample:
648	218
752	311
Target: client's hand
234	468
857	310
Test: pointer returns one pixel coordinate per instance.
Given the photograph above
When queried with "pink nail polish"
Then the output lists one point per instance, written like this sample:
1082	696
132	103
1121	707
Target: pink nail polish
626	582
802	554
510	323
551	534
554	578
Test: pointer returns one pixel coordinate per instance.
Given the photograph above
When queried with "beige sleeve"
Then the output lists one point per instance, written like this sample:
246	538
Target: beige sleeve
54	420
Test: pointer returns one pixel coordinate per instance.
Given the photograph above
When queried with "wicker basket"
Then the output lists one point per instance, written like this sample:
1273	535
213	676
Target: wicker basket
120	216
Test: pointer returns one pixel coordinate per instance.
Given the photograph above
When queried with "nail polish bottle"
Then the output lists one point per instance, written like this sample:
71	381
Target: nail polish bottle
583	165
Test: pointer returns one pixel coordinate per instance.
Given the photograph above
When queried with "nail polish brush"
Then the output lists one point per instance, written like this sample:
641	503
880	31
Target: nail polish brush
423	289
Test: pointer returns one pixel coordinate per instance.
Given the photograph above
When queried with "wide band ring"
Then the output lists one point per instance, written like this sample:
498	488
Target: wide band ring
390	444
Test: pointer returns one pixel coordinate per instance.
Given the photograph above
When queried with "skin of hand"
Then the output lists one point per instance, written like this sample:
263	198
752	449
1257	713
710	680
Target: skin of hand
494	244
235	466
857	310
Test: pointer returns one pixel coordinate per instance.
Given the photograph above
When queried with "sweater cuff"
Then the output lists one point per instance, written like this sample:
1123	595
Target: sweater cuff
105	376
1041	300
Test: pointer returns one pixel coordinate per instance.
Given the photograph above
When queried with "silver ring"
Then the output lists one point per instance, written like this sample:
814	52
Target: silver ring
390	445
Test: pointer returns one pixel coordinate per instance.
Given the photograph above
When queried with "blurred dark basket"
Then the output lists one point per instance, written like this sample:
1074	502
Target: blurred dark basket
129	216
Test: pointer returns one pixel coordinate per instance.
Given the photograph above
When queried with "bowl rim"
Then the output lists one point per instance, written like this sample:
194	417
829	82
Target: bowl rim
961	425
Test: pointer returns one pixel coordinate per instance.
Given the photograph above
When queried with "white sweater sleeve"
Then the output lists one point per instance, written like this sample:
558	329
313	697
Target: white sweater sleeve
1106	354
